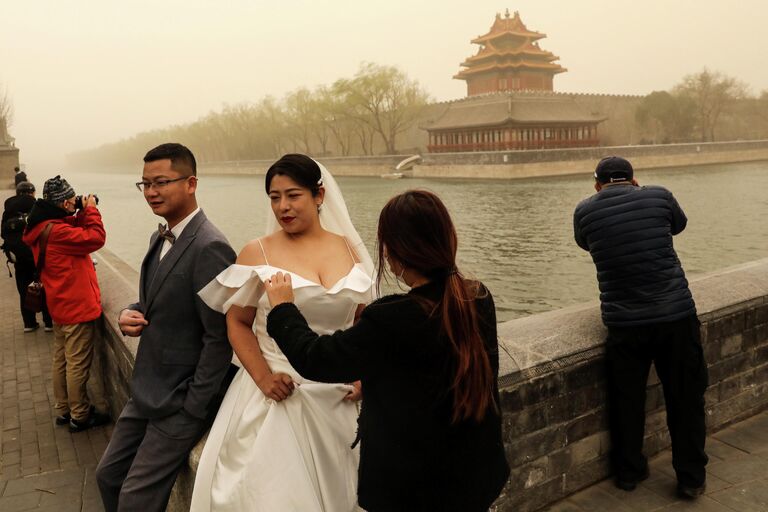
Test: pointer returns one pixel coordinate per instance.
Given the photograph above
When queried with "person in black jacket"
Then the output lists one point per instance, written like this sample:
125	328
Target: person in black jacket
651	317
430	426
14	221
19	176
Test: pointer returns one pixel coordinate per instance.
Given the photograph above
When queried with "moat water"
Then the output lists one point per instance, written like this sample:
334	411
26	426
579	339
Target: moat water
516	236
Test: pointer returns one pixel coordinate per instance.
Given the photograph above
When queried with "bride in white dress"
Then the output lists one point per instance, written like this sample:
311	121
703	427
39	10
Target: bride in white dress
281	443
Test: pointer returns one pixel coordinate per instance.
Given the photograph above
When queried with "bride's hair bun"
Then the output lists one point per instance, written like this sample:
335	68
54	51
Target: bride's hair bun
300	168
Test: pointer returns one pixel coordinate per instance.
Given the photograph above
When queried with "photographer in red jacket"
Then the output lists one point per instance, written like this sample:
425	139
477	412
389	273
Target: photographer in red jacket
71	293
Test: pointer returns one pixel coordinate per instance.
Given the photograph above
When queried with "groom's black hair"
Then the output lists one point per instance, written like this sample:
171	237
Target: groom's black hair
300	168
182	159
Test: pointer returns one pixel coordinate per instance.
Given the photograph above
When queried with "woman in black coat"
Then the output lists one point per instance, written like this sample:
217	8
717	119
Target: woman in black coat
430	425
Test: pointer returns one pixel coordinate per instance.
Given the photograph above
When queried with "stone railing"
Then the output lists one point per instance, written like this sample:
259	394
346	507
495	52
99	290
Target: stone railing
551	379
553	385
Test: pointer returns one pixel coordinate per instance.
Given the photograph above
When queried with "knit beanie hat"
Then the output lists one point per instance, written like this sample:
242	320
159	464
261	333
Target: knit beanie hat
57	190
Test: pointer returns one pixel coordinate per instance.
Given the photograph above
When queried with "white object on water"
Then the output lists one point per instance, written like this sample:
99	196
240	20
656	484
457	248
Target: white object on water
407	163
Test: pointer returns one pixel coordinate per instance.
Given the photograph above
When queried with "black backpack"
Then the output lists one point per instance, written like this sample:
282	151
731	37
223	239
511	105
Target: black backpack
16	251
14	225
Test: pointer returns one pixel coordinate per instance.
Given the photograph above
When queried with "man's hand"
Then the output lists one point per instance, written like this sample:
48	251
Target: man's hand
132	322
356	394
277	386
279	289
89	200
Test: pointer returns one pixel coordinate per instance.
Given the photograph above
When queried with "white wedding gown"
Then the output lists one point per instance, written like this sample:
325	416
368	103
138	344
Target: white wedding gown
287	456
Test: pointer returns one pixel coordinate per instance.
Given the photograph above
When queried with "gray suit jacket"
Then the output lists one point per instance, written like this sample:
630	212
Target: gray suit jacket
184	354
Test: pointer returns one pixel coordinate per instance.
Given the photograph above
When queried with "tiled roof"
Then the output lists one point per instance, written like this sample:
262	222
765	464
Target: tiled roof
498	110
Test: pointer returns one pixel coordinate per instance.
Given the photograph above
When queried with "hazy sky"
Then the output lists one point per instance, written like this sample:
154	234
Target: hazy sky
84	72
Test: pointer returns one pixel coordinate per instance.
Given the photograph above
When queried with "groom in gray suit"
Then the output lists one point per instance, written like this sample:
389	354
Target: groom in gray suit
183	360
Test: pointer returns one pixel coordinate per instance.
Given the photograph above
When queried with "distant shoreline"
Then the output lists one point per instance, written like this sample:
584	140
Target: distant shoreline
505	165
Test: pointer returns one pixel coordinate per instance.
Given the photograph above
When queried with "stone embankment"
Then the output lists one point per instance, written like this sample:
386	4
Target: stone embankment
524	164
551	380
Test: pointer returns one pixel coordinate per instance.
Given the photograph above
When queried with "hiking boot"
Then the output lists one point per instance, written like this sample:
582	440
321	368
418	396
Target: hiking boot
95	419
631	485
690	493
32	329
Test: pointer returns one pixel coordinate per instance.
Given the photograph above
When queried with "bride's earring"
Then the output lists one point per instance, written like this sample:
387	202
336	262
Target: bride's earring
319	206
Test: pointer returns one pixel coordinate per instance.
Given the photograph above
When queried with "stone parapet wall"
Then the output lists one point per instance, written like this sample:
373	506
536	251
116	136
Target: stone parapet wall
551	379
553	385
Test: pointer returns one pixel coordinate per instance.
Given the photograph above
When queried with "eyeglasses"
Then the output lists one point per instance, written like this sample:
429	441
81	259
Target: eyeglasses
146	185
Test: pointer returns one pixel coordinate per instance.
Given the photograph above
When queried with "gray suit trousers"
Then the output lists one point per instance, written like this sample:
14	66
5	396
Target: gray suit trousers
144	456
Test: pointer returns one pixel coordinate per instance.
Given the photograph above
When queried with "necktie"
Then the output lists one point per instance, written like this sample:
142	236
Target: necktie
166	233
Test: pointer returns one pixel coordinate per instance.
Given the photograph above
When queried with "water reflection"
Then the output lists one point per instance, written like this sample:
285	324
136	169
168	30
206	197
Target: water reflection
517	236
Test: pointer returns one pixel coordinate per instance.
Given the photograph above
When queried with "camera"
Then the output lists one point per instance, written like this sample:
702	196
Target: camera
79	201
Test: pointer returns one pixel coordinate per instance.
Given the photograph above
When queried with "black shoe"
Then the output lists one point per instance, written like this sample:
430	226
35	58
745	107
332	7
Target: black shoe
690	493
31	328
63	419
94	419
631	485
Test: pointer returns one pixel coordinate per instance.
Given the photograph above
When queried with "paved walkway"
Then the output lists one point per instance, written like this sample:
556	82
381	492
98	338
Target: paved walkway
42	466
737	479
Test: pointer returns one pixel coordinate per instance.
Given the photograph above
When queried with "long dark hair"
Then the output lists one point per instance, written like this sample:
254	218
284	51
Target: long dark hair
416	230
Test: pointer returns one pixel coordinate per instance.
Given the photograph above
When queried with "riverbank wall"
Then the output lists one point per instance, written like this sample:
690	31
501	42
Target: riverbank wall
373	166
561	162
551	380
522	164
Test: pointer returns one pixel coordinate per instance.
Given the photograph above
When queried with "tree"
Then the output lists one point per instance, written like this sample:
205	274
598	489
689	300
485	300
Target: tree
712	93
384	98
333	116
6	115
271	117
6	107
378	102
670	116
762	105
300	116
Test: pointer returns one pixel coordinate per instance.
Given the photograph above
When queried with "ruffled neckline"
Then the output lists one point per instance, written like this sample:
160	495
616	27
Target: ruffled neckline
243	285
355	279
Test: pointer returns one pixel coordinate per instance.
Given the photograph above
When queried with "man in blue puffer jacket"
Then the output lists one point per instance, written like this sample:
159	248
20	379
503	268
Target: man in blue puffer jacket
651	317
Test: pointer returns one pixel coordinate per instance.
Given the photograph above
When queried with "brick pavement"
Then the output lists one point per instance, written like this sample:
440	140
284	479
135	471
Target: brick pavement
737	479
42	466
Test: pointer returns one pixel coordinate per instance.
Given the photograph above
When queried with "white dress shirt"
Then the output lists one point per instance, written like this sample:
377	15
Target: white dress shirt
176	230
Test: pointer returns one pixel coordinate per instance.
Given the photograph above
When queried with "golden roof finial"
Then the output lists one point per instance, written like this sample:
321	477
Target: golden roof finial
506	13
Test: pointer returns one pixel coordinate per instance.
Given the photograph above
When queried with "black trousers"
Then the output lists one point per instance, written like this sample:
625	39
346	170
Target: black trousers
25	273
675	349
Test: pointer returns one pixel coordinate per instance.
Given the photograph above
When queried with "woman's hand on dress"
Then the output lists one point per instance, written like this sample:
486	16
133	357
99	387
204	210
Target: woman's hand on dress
276	386
355	394
279	289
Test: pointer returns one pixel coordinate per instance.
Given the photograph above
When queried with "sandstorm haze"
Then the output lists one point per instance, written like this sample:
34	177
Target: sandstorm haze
83	73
